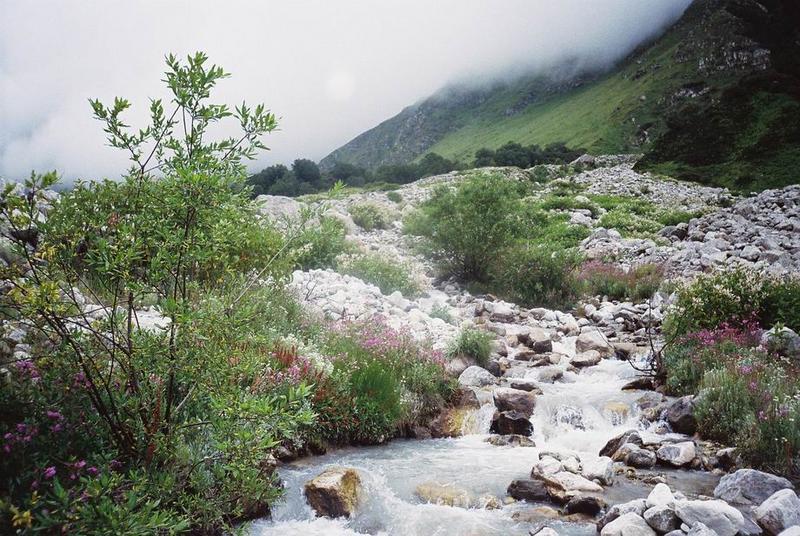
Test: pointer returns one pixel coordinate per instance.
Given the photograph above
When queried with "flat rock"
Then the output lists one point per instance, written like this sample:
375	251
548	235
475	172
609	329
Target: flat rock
509	399
629	524
528	490
476	376
677	454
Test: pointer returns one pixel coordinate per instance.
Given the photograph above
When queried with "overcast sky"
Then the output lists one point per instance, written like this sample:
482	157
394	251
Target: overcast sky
330	69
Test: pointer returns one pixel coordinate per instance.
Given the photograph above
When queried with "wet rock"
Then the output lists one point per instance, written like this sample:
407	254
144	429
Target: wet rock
601	470
661	518
449	423
791	531
512	440
335	492
613	444
641	383
779	511
444	494
629	524
748	486
568	415
525	385
585	504
624	350
636	506
508	399
466	398
488	502
537	340
547	465
680	416
588	358
528	490
476	376
677	454
717	515
568	482
550	374
511	422
593	339
640	458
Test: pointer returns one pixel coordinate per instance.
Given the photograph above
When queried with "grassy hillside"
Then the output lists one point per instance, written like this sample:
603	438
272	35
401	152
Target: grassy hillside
714	99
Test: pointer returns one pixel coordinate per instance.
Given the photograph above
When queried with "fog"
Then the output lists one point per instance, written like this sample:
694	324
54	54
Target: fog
330	69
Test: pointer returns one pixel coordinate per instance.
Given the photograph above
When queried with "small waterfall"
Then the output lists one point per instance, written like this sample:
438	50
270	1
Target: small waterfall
478	421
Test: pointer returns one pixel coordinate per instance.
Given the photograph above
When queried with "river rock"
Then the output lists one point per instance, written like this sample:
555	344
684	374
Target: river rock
585	504
637	506
528	490
593	339
588	358
537	340
629	524
639	458
511	440
660	495
525	385
779	511
336	492
613	444
677	454
748	486
445	494
476	376
680	416
700	529
601	470
544	531
661	518
569	482
511	422
717	515
508	399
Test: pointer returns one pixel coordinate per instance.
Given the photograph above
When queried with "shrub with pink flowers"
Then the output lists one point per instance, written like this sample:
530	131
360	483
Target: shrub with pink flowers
607	279
747	395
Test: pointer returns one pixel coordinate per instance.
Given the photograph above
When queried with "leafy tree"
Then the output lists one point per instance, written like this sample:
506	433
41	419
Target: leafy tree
342	171
512	154
484	157
286	185
305	170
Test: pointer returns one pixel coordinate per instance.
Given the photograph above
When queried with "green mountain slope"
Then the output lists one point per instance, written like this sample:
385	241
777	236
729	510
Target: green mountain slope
716	98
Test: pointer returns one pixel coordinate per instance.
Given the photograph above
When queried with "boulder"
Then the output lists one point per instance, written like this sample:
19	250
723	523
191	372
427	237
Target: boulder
336	492
511	422
629	524
601	470
613	444
568	482
537	340
508	399
593	339
779	511
525	385
677	454
748	486
528	490
476	376
661	518
637	506
585	504
640	458
660	495
700	529
444	494
784	341
791	531
717	515
588	358
680	416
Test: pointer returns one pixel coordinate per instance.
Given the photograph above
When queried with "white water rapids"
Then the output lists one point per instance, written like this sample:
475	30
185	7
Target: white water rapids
579	413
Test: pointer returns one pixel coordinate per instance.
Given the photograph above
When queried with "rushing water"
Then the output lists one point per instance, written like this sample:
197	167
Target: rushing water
579	413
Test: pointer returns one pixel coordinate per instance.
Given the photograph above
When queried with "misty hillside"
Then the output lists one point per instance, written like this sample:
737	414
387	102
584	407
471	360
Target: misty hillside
714	99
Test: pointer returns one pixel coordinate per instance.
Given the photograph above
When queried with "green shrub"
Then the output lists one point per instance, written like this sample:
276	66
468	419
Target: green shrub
395	197
674	216
603	279
387	275
472	343
369	216
734	296
318	245
442	312
629	224
537	275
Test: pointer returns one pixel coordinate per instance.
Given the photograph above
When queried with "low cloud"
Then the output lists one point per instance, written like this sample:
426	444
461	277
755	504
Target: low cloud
329	69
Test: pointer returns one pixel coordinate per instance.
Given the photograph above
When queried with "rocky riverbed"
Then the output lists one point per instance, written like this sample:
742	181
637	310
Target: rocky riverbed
561	433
